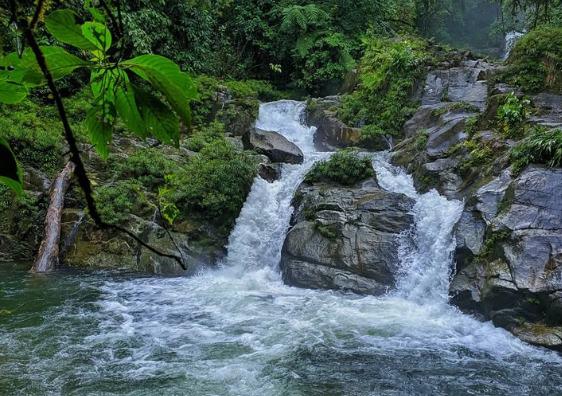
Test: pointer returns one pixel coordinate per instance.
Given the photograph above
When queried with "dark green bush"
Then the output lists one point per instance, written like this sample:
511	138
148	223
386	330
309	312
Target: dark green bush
214	184
388	73
117	201
148	166
511	115
345	167
535	63
205	135
542	146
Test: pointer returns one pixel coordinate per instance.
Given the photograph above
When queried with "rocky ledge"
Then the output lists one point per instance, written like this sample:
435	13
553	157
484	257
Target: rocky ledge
345	238
508	260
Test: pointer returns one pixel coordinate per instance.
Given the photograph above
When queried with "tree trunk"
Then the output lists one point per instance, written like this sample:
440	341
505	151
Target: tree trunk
48	257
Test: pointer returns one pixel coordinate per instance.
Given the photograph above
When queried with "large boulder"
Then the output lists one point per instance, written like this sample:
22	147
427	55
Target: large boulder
332	133
273	145
465	83
345	238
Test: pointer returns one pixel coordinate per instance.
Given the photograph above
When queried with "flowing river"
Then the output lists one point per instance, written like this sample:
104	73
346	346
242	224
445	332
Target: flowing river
238	330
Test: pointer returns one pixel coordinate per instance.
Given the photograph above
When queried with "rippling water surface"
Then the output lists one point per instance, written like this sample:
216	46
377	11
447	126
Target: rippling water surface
238	330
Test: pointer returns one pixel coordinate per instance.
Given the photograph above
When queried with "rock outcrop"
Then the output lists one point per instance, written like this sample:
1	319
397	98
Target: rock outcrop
345	238
332	133
510	255
273	145
508	259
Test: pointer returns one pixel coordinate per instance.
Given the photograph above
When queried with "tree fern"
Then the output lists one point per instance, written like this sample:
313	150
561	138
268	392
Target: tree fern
301	18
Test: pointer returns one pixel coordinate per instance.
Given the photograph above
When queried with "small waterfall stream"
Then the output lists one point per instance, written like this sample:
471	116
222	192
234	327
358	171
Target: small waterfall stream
238	330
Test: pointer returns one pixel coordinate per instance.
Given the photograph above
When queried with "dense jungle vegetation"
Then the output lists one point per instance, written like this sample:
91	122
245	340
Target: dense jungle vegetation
223	57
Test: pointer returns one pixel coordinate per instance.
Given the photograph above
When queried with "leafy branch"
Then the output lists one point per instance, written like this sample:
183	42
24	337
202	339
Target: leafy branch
112	81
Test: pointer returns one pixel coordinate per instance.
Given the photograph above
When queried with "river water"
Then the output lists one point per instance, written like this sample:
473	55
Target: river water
238	330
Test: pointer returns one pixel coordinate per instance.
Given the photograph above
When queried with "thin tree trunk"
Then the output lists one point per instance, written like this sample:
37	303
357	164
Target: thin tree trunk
48	257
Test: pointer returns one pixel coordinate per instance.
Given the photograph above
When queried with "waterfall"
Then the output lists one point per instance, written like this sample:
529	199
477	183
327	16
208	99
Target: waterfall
511	39
259	233
238	330
425	266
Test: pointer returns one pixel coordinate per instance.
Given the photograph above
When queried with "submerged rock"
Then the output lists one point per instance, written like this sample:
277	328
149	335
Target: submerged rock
273	145
345	238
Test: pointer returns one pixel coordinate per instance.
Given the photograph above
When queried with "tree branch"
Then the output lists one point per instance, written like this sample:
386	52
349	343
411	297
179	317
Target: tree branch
75	157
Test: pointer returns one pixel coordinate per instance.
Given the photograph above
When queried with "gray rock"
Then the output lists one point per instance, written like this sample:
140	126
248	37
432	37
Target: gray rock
513	275
345	238
275	146
458	84
424	118
446	134
536	201
550	110
491	195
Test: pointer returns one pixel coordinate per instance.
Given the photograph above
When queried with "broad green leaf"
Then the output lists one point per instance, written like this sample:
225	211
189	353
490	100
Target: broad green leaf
96	14
11	93
62	25
60	62
159	120
25	69
166	76
126	107
98	34
100	129
10	173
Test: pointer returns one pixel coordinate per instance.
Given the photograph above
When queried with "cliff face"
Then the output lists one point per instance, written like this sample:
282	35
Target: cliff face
508	265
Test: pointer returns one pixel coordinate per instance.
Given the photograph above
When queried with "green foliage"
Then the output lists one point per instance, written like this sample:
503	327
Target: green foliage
479	156
345	167
28	128
148	166
117	201
112	83
204	136
493	238
214	184
10	172
535	63
469	24
541	146
421	140
388	73
511	115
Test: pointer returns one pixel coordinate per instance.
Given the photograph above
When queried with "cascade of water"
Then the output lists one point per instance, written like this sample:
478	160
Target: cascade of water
511	39
426	266
258	236
239	330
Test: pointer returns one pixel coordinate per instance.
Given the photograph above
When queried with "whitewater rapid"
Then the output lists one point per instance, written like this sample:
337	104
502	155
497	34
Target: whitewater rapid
238	330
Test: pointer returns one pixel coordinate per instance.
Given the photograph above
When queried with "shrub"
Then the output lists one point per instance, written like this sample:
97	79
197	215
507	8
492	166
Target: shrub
148	166
116	202
214	184
511	115
387	73
345	167
479	156
535	63
541	146
205	135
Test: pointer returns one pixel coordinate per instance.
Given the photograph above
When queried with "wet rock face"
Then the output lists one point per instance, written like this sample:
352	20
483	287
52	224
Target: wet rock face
512	272
92	248
273	145
549	112
332	133
465	83
345	238
450	99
